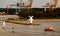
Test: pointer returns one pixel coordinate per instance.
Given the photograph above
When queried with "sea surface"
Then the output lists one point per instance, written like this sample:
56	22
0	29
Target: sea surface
25	30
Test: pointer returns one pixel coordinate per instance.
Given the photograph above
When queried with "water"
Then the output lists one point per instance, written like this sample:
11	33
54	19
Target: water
24	30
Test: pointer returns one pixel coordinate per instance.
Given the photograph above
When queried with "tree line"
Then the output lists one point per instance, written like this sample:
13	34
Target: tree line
40	14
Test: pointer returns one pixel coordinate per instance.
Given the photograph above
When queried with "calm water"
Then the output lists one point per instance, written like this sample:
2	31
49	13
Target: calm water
24	30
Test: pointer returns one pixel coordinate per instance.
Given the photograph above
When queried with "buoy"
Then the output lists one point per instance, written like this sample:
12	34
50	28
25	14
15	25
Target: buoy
13	30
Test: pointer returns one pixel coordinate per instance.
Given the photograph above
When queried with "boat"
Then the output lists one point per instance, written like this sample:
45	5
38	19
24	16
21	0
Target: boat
49	29
3	25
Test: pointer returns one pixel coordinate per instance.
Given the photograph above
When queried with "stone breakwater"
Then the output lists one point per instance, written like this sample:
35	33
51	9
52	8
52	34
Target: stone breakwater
22	22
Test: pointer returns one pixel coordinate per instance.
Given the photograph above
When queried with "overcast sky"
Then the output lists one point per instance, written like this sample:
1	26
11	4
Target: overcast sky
36	3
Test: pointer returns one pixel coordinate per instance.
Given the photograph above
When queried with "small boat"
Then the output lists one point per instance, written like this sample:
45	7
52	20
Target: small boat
49	29
3	25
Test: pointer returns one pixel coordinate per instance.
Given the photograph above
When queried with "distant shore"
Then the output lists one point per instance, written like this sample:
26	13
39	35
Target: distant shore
39	20
34	20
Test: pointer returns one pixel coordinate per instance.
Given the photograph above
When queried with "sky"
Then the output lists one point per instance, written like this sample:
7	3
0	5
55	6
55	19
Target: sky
35	4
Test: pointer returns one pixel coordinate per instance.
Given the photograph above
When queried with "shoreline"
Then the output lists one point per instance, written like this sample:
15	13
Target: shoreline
26	22
22	22
37	20
46	20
